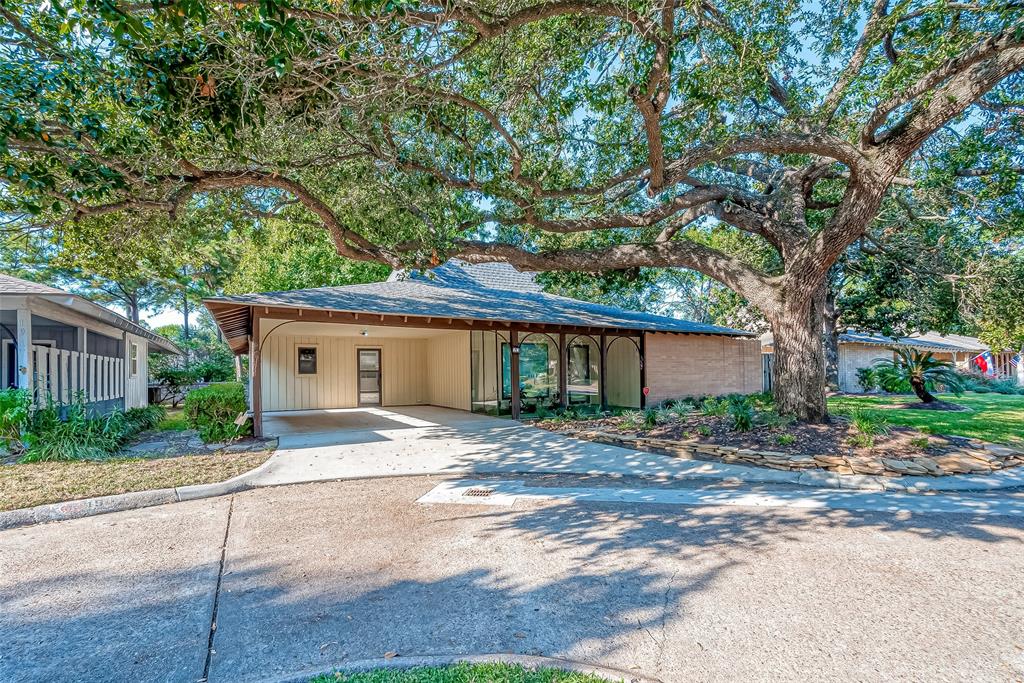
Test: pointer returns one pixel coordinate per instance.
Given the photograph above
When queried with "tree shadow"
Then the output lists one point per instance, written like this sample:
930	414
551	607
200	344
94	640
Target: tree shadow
317	576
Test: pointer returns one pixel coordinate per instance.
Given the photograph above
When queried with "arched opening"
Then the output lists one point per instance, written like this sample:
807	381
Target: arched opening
622	384
538	374
583	380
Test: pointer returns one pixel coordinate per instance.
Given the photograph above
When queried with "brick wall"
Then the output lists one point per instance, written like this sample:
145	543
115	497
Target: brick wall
696	365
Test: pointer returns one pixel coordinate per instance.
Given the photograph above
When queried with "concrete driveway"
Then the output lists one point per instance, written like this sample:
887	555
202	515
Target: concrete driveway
314	576
373	442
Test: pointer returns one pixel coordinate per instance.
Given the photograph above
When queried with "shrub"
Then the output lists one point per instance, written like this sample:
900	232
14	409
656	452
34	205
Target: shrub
713	406
681	409
785	439
704	430
631	419
14	413
650	417
867	378
212	411
76	436
742	416
868	424
920	442
982	384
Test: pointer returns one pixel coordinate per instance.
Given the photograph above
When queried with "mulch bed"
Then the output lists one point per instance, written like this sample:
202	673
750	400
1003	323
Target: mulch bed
809	439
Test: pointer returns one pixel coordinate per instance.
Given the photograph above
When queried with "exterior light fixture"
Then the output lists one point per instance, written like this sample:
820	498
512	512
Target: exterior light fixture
365	333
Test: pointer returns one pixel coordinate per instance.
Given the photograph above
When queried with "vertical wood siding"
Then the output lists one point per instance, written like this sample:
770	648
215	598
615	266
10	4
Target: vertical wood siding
136	387
623	368
403	372
448	361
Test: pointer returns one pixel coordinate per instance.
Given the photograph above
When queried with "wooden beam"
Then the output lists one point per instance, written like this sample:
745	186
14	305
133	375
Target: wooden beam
256	367
513	343
643	369
602	373
563	372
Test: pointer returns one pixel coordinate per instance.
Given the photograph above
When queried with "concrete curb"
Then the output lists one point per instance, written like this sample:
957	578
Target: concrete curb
526	661
87	507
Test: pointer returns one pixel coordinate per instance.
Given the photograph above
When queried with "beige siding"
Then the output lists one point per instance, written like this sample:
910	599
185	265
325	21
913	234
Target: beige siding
623	367
694	365
855	356
136	387
448	361
403	372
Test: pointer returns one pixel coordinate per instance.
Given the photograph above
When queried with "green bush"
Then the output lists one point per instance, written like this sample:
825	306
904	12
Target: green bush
212	411
743	415
981	384
713	406
76	436
14	414
867	378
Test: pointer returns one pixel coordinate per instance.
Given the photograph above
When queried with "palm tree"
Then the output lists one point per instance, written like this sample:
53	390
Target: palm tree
921	370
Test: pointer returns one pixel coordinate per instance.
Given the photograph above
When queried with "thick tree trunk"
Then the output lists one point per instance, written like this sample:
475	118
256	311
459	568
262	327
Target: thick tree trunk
798	371
921	390
830	334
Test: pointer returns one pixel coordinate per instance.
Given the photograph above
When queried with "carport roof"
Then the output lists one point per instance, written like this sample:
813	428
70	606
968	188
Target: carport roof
458	291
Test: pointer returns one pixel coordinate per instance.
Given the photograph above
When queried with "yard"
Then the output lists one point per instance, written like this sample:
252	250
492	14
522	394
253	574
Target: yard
167	456
462	673
29	484
992	417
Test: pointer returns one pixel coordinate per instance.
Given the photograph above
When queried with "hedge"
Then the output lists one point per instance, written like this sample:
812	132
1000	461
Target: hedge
213	410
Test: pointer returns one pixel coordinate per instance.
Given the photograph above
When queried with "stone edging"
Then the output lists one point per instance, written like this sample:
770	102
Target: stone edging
526	661
984	459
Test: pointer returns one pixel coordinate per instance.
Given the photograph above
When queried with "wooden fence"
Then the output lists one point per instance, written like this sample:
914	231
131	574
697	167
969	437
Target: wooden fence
61	375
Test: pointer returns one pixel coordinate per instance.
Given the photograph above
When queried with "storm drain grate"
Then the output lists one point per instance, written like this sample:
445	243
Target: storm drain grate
478	492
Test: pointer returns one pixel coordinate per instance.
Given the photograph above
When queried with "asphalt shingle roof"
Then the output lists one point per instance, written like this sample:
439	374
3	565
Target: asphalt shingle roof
14	285
472	292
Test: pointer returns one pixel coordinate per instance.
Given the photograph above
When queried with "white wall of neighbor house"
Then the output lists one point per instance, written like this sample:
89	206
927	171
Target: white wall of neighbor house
852	357
136	368
418	366
681	365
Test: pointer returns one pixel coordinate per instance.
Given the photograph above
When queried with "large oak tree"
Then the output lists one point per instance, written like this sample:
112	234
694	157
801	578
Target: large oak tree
563	135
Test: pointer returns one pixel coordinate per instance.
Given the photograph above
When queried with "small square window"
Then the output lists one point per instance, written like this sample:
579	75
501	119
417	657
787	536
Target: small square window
307	360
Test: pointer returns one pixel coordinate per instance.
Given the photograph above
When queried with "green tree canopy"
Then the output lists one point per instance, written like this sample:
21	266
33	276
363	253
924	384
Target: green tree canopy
559	136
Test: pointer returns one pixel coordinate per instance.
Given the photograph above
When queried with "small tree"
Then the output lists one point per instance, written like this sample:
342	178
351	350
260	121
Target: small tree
921	370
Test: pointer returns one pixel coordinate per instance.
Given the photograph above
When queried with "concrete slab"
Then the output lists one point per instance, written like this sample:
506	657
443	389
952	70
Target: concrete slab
508	493
340	573
122	597
355	443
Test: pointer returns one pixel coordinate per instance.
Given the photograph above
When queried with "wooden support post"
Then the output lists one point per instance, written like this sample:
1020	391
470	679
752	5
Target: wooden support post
602	374
23	370
513	348
643	370
256	368
563	371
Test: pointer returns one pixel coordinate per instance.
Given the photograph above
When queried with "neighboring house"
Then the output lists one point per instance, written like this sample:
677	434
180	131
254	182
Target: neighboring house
863	349
60	346
448	337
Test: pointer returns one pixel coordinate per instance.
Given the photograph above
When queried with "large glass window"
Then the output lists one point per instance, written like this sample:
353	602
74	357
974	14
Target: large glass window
488	373
584	380
538	374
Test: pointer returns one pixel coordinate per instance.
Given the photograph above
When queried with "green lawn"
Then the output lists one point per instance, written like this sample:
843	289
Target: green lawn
992	417
174	421
462	673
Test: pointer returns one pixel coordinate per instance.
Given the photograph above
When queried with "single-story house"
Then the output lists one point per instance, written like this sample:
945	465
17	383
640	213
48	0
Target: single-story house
863	349
60	346
448	337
